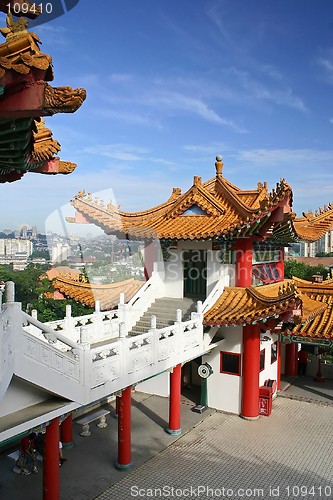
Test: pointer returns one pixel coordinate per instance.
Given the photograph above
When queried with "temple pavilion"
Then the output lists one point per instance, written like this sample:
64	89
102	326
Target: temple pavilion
224	246
213	309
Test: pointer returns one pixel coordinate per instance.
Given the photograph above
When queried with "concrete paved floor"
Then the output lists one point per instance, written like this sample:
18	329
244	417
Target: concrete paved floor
272	456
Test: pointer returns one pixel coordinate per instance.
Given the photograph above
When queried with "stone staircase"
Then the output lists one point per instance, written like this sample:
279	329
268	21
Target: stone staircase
165	311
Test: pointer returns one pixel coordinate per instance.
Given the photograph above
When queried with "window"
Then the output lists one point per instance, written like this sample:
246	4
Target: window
230	363
274	352
262	360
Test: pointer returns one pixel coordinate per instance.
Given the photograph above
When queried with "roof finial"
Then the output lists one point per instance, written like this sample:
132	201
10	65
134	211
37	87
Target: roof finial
219	165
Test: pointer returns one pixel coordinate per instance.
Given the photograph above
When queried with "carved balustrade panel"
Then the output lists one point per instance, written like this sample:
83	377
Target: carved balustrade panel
140	353
167	342
106	366
192	335
49	356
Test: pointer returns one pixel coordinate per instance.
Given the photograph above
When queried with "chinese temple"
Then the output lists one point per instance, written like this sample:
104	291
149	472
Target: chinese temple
224	246
215	310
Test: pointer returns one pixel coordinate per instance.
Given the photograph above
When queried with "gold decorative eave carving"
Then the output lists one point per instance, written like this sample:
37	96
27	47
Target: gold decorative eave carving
63	99
21	54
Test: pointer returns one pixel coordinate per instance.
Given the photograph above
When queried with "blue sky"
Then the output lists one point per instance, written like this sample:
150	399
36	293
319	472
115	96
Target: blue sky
171	84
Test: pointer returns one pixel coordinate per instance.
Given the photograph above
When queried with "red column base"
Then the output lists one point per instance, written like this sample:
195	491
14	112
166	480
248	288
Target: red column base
119	466
173	432
249	418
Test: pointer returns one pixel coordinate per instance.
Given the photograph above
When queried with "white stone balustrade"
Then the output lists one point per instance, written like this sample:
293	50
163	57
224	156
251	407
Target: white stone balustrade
215	293
101	358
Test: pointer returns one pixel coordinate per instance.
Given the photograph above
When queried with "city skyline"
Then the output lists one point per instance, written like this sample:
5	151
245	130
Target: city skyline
172	85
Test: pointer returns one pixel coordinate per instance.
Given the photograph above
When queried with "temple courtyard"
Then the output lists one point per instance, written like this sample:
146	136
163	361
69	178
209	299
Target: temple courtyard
286	455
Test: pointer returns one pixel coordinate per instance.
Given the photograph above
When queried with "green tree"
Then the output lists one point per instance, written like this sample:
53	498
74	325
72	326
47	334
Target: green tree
303	271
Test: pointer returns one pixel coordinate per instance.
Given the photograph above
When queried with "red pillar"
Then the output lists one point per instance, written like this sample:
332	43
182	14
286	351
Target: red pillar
51	476
280	265
278	375
250	372
124	430
66	432
291	366
243	268
174	401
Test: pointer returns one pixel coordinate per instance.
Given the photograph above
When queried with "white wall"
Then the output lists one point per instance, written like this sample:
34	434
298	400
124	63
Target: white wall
159	385
224	390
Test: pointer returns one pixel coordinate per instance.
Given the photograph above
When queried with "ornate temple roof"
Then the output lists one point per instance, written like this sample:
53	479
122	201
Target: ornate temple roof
87	294
314	301
213	209
311	227
239	306
25	96
318	325
216	208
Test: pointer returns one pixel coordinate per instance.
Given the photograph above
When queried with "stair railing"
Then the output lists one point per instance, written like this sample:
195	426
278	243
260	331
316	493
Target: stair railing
217	291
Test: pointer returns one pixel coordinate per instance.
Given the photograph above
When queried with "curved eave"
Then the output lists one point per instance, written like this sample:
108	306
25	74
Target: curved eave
311	227
240	306
88	294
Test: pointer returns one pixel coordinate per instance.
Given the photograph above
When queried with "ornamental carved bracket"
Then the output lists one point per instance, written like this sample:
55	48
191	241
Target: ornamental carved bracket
63	99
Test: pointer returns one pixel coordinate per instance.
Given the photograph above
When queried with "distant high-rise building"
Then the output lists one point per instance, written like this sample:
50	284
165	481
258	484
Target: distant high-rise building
34	231
324	245
24	232
15	246
59	252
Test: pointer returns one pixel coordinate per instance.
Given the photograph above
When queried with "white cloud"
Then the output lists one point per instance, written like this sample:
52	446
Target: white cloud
288	156
253	90
120	152
326	64
128	117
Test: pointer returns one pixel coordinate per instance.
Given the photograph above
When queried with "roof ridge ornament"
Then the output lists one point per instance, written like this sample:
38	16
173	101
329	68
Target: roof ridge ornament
219	165
14	28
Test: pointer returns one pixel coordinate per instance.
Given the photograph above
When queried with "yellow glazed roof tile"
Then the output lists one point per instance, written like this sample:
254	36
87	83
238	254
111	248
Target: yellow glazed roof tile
247	305
87	294
317	320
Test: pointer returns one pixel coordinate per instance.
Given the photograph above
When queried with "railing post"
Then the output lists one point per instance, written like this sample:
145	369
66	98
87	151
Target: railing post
84	334
178	328
68	324
123	311
86	367
10	291
153	322
154	337
122	330
199	307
